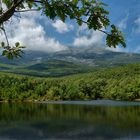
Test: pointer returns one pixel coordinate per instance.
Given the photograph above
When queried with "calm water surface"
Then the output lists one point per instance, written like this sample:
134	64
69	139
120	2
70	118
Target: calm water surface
90	120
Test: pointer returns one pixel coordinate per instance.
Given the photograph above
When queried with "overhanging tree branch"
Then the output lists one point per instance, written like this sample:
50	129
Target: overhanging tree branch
9	13
94	11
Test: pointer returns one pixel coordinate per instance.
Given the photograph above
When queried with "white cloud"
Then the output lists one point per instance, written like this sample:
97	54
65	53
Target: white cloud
117	49
123	23
137	22
87	37
31	34
62	27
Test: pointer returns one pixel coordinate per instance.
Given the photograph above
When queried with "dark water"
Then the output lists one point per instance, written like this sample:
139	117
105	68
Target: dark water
93	120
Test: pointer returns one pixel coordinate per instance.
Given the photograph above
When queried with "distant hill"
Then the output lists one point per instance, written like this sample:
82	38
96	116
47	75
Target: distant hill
71	61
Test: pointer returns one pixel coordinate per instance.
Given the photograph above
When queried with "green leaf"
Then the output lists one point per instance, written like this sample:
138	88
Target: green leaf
17	44
2	44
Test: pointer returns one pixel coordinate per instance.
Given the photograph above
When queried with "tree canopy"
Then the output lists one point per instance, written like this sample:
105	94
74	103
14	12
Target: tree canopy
91	12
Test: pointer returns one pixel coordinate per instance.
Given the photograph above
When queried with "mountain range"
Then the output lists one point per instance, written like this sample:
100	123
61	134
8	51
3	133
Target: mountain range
66	62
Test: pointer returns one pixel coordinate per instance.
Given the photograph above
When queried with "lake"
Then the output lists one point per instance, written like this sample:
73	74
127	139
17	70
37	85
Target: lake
70	120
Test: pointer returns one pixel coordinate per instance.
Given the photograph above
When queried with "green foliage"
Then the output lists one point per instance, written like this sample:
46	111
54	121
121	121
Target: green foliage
120	83
98	18
12	52
115	38
94	11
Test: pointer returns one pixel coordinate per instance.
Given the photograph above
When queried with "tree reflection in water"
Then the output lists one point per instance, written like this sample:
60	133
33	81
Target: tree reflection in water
23	121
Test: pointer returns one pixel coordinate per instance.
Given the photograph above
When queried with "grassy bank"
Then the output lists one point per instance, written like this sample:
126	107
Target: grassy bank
120	83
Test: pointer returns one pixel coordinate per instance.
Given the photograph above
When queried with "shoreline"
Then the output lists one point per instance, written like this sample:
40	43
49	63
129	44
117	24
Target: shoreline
100	102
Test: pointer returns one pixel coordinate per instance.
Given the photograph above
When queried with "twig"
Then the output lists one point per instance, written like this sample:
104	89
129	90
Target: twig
3	29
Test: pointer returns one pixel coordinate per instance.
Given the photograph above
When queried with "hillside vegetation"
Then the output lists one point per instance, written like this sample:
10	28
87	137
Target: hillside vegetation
120	83
50	68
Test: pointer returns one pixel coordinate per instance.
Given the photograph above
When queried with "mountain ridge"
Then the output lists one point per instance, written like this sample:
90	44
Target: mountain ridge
71	61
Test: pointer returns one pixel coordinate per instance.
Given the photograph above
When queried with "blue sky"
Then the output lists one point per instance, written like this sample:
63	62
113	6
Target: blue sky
127	14
39	33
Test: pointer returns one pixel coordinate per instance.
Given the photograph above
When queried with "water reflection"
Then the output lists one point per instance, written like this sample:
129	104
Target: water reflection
24	121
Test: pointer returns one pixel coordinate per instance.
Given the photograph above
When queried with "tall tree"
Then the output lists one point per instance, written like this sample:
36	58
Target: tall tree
91	12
